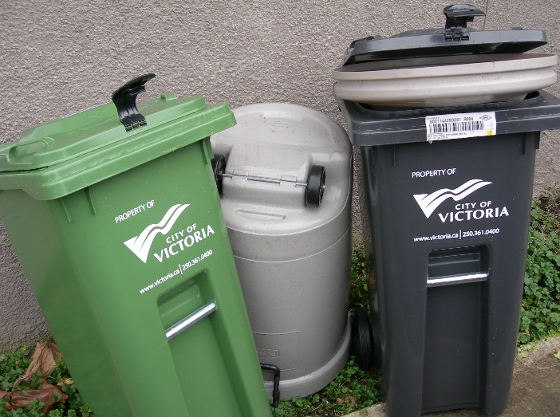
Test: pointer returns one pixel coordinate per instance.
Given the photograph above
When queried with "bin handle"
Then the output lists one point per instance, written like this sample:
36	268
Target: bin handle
457	279
190	320
125	101
11	156
458	15
276	385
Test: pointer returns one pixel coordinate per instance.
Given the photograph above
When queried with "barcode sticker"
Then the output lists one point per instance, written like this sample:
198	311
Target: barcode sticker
460	125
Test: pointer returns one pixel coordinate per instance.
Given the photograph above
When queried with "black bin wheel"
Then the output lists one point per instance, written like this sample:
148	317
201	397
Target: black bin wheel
362	339
315	185
218	168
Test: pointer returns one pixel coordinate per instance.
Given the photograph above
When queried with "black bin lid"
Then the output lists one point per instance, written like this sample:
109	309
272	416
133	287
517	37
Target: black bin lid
455	39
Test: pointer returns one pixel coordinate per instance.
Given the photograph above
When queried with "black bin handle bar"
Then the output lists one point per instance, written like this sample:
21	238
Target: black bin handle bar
276	386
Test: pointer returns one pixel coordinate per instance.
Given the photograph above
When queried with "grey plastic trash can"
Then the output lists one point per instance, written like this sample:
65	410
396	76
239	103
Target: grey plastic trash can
449	193
286	201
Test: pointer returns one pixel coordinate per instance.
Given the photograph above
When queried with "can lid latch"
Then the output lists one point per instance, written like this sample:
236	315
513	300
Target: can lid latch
457	16
125	101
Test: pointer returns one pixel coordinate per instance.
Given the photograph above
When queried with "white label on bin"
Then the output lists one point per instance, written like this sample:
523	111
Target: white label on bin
429	202
463	210
176	240
140	245
460	125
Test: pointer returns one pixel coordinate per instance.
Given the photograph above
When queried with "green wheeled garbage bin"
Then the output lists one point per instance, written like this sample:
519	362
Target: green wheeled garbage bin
115	218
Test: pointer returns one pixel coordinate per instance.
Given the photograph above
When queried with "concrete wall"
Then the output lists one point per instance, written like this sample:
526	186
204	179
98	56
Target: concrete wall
58	58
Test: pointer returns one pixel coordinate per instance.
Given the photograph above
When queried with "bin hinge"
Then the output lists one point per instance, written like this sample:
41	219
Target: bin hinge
457	16
456	34
125	101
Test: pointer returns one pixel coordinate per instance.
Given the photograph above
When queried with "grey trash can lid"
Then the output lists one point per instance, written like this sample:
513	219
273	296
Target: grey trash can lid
456	38
452	66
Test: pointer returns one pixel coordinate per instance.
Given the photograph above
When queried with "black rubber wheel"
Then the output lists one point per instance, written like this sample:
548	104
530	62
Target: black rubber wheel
315	186
218	168
362	340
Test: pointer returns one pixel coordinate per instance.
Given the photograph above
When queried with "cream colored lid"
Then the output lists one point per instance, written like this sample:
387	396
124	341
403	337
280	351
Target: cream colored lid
444	81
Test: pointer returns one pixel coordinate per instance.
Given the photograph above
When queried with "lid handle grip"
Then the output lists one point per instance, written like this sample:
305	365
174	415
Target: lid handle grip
458	15
26	149
125	101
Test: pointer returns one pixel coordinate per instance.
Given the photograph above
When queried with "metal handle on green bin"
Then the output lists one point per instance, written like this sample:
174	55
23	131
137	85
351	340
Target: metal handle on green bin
190	320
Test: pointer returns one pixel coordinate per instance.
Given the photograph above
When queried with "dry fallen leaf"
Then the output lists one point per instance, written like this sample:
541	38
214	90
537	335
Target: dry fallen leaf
43	361
66	381
21	399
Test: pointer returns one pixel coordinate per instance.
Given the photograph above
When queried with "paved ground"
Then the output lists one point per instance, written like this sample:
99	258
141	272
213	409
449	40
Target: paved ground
535	390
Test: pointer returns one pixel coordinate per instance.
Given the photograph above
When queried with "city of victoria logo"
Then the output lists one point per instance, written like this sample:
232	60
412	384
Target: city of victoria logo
430	202
140	245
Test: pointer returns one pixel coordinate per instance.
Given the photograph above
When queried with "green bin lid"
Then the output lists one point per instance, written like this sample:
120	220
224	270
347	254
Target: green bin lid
63	156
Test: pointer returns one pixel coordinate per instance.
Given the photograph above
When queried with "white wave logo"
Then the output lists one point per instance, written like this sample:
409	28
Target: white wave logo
140	245
429	202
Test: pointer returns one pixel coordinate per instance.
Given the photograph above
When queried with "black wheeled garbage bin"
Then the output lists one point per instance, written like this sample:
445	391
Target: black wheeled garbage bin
448	180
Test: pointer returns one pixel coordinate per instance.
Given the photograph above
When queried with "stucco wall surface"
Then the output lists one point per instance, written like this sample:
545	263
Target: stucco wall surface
57	58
